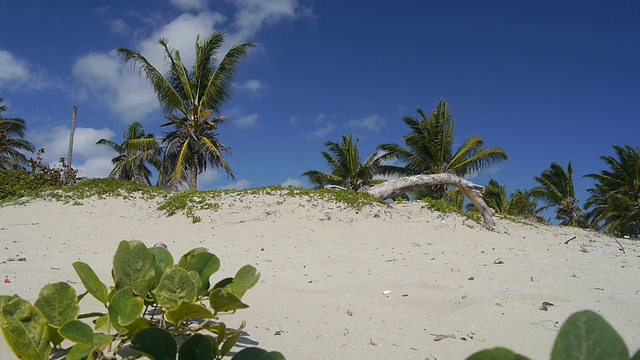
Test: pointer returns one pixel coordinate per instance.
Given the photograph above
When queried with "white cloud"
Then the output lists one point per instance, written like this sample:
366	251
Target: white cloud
90	159
294	120
253	86
372	122
247	121
206	178
241	184
190	4
119	26
293	182
323	131
254	14
20	74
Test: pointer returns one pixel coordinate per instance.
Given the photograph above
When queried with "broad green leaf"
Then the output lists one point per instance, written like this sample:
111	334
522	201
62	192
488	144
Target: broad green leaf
176	286
197	347
91	282
586	335
222	300
78	332
102	324
5	299
133	267
254	353
138	325
202	262
25	329
156	343
231	341
162	260
223	283
58	303
79	352
54	336
124	309
246	278
100	341
497	353
187	311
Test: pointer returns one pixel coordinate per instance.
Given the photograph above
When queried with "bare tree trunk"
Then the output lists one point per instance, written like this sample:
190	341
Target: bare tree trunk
193	179
397	187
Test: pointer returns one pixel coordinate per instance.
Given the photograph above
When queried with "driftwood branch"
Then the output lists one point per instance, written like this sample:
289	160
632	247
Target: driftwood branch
397	187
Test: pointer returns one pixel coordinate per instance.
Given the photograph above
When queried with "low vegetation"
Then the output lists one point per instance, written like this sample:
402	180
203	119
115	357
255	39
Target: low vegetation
153	302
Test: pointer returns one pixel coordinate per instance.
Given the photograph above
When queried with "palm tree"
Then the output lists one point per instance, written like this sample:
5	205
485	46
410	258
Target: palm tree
191	100
615	199
519	204
430	149
556	189
495	195
12	131
136	151
346	168
524	205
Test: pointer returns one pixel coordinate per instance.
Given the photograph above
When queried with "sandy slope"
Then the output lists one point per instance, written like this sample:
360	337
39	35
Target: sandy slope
324	268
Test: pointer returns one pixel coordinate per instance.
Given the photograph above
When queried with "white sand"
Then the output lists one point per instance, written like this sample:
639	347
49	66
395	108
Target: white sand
324	268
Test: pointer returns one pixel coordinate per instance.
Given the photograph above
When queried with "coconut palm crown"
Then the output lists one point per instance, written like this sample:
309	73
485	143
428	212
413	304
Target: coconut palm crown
347	170
136	151
556	189
191	101
430	148
12	142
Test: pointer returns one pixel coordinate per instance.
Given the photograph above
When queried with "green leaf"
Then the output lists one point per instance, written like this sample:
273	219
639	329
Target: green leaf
25	329
133	267
54	336
636	356
156	343
102	324
100	341
246	278
222	300
176	286
586	335
124	309
58	303
231	341
138	325
497	353
187	311
162	260
204	263
5	299
79	352
254	353
223	283
78	332
197	347
91	282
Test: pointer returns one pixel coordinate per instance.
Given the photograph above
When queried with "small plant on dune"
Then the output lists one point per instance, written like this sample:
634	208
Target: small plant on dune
584	336
147	282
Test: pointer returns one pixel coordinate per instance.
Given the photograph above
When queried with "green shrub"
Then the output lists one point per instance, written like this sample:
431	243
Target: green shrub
17	183
584	336
143	278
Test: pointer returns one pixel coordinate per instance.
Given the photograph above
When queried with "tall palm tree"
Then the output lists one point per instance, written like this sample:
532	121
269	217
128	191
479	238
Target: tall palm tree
346	168
430	149
136	151
12	142
191	101
615	199
556	190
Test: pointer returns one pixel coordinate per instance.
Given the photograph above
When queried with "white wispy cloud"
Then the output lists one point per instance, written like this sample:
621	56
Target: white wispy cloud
372	122
293	182
247	121
323	131
118	26
253	86
190	4
239	185
19	74
90	159
207	178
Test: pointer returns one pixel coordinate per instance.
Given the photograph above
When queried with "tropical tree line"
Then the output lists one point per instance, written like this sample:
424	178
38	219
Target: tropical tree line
191	100
614	204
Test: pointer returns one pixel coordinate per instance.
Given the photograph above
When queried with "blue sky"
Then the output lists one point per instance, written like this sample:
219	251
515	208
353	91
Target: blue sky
545	80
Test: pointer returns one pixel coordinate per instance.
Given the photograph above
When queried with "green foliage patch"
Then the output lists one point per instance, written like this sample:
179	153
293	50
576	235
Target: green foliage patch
144	279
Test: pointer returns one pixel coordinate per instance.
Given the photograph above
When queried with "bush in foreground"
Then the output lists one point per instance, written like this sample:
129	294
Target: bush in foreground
146	283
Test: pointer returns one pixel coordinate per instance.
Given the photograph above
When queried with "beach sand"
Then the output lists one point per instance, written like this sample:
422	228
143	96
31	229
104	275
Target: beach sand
325	267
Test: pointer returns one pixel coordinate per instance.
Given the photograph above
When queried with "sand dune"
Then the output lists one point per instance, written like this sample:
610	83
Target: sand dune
324	269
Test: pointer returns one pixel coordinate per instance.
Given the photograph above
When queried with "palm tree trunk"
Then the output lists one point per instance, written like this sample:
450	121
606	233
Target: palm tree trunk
193	179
